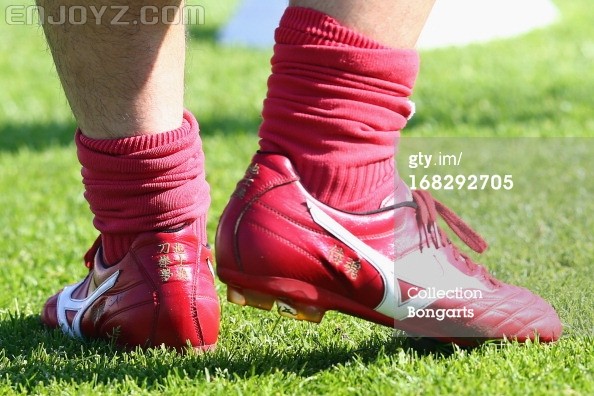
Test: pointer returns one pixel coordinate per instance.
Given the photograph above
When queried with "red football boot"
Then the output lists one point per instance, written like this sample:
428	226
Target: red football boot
393	266
161	292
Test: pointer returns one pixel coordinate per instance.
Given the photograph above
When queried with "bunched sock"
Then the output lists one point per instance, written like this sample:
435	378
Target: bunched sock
144	183
335	105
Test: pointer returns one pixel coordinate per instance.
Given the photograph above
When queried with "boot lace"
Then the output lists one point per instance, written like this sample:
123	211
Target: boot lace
89	257
428	211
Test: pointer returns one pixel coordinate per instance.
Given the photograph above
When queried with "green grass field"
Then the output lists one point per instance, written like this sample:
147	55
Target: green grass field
522	106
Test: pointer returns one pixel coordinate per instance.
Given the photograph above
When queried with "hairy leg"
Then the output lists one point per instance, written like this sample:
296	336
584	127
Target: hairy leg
143	171
123	74
121	77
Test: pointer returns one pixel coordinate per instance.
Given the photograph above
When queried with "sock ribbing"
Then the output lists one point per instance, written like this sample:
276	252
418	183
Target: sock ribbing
335	106
143	184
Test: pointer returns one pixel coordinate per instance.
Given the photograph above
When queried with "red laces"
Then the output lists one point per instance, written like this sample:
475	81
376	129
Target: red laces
428	209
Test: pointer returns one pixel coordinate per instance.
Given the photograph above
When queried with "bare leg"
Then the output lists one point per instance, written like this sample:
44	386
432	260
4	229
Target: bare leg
143	171
396	24
120	80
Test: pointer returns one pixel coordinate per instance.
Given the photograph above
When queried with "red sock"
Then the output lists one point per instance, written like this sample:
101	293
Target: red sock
144	183
335	105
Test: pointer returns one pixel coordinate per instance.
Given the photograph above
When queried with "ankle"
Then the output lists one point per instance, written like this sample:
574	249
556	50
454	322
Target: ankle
335	106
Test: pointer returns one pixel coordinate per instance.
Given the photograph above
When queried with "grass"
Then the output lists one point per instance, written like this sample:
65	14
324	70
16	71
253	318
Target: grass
538	85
